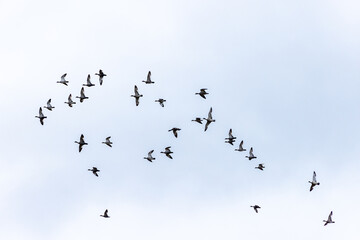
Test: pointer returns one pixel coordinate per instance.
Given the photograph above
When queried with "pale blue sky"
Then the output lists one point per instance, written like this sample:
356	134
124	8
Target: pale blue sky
283	75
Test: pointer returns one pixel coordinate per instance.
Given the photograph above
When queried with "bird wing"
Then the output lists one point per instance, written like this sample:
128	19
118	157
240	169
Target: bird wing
230	133
314	177
330	215
41	113
148	79
88	79
136	90
82	92
63	77
69	98
241	144
206	125
210	113
167	148
49	103
108	138
251	152
137	101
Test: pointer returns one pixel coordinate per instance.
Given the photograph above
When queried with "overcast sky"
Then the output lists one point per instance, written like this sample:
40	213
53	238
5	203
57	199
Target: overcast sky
283	75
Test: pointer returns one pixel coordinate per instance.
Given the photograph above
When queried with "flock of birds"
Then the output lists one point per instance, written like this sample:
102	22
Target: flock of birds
203	92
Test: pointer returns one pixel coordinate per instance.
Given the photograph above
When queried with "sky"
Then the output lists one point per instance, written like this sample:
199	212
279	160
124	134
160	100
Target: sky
284	75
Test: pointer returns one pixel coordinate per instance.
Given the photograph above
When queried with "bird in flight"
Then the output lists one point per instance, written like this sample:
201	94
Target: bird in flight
256	207
168	152
150	158
161	101
329	220
313	182
202	93
94	170
41	116
251	155
63	81
81	143
82	95
198	120
174	130
231	138
148	79
108	142
88	82
261	166
48	105
70	102
101	75
209	119
241	149
105	214
136	96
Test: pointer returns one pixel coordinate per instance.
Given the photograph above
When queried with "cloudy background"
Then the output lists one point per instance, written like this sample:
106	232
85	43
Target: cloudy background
283	75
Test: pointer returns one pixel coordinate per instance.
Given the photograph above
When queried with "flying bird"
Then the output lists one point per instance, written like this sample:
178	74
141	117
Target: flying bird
137	95
148	79
241	149
94	170
168	152
202	93
82	95
329	220
101	75
70	102
209	119
161	101
48	105
150	158
88	82
63	81
41	116
198	120
174	130
105	214
251	155
108	142
81	143
231	138
256	207
313	182
261	166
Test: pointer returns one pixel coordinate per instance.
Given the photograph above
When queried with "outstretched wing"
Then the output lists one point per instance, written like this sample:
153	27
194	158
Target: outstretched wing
63	77
69	98
82	92
88	79
108	138
149	77
329	218
314	177
41	113
210	114
136	90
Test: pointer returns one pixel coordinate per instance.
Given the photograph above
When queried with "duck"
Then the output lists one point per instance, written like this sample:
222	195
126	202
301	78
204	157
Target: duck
150	158
313	182
202	93
148	79
94	170
82	95
41	116
329	220
241	149
174	130
88	82
261	167
63	81
231	138
198	120
70	102
48	105
168	152
161	101
101	75
105	214
209	119
108	142
256	207
81	143
136	96
251	155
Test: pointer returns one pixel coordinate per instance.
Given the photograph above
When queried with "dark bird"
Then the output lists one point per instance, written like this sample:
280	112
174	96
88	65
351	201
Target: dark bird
148	79
202	93
82	95
94	170
136	96
261	166
231	138
108	142
70	102
168	152
150	158
198	120
63	81
251	155
81	143
256	207
241	149
105	214
174	130
209	119
41	116
161	101
329	220
88	82
313	182
101	75
48	105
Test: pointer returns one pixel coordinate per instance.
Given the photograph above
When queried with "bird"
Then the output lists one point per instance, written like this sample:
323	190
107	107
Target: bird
168	152
82	95
241	149
101	75
202	93
41	116
105	214
81	143
256	207
88	82
108	142
94	170
63	81
209	119
329	220
174	130
48	105
198	120
161	101
70	102
313	182
251	155
261	166
231	138
150	158
148	79
137	95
